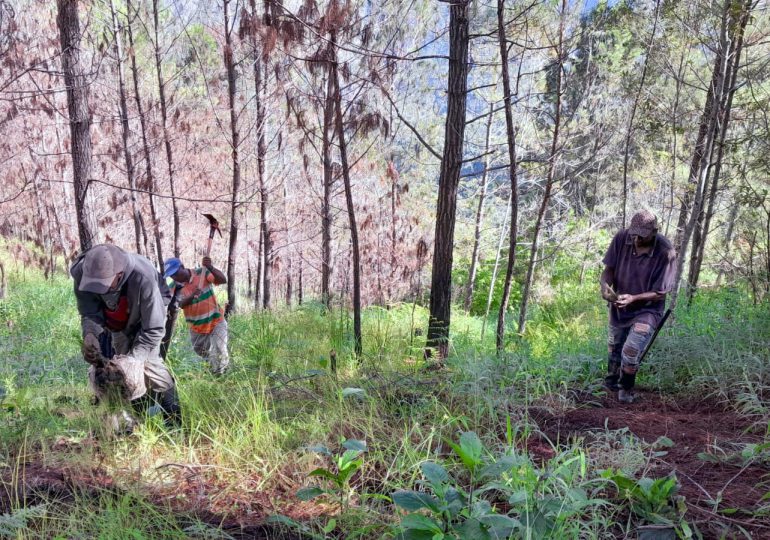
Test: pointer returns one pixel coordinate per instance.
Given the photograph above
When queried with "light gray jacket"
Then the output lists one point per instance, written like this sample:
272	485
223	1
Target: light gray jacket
148	296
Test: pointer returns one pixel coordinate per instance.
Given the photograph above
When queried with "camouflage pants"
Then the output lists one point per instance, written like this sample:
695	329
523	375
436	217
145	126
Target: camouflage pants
625	346
213	347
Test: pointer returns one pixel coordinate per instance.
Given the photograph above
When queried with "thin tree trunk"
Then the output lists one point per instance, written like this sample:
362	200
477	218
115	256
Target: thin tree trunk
326	216
479	216
139	229
76	81
235	143
259	92
512	176
150	181
451	162
702	154
549	177
495	268
164	124
358	342
696	260
630	127
299	280
729	235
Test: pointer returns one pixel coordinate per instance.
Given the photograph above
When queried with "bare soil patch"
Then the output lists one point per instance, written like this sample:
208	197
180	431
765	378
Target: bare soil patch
694	426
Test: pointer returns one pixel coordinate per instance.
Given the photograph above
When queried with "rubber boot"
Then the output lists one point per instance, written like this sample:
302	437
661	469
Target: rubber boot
626	392
172	411
613	375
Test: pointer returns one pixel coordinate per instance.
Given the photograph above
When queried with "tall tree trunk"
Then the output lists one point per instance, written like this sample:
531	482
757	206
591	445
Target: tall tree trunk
139	229
479	216
714	103
164	125
76	80
723	121
328	179
451	162
235	143
634	106
358	342
550	175
289	269
259	93
512	176
150	181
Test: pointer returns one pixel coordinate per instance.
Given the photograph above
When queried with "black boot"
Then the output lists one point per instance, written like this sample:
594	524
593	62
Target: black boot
613	375
172	411
626	392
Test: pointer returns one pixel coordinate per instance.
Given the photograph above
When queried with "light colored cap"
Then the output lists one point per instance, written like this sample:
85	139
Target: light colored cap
100	266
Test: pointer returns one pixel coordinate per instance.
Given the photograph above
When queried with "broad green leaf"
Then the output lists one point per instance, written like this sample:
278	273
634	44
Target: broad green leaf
471	445
308	493
324	473
434	473
472	529
502	465
420	523
415	500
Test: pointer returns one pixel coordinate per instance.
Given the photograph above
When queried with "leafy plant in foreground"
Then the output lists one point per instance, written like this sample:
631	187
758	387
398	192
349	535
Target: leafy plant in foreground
346	464
655	501
538	503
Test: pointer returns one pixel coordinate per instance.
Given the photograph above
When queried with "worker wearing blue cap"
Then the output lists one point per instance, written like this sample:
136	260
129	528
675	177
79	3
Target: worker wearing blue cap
208	327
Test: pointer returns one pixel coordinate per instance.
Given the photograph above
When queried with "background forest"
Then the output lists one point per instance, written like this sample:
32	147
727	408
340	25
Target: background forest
407	184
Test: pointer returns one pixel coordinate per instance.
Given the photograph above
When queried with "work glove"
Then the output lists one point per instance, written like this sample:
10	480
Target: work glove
206	262
91	351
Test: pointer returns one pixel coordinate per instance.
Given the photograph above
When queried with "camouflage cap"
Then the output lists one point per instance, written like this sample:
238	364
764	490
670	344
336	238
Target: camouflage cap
644	223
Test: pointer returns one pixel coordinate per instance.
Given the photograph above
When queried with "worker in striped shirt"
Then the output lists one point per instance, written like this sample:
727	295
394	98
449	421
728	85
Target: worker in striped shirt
208	327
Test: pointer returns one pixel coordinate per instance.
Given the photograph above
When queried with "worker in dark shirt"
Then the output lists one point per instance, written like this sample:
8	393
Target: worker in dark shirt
639	270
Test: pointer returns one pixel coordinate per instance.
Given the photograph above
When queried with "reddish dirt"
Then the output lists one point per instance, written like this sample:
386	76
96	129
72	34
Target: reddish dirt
694	427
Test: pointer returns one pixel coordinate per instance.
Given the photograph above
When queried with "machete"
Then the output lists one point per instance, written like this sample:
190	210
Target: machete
654	335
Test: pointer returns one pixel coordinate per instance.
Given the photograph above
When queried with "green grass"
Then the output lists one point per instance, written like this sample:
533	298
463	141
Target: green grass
248	435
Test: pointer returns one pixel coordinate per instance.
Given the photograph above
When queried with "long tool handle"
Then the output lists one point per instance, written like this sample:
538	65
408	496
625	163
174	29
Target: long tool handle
201	281
655	334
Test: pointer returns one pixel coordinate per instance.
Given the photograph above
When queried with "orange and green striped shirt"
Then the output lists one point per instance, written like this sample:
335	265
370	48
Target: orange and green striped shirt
203	314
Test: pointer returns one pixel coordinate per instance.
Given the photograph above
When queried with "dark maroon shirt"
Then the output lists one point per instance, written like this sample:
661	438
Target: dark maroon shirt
636	274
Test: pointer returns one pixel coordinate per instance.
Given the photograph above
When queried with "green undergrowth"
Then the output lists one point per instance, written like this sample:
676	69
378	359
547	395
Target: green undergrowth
253	434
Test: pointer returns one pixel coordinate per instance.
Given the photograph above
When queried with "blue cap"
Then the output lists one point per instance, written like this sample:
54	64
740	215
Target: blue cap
171	267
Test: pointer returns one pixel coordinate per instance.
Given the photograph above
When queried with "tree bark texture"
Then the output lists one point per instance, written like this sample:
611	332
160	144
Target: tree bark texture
234	144
76	81
510	131
358	342
449	177
700	235
328	182
734	18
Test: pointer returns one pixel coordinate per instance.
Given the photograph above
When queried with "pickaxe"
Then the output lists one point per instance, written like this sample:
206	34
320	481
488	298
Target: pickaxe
213	226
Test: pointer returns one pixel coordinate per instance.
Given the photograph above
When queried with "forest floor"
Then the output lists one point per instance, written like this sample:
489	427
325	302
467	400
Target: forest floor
254	439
